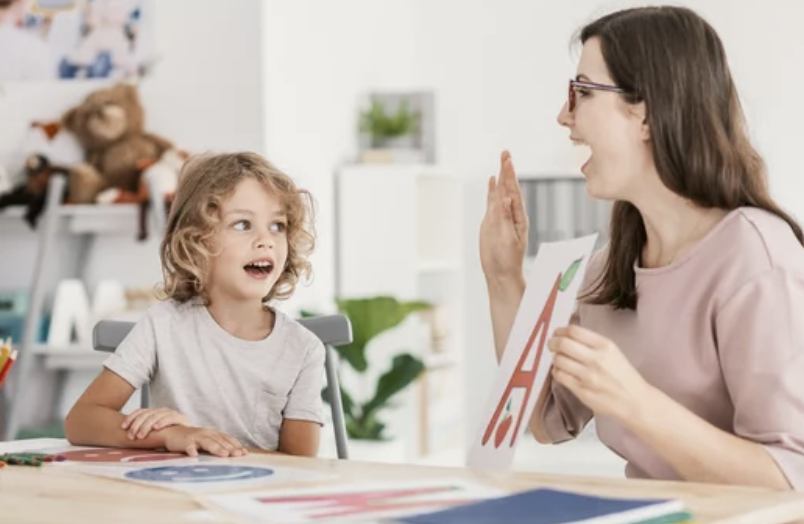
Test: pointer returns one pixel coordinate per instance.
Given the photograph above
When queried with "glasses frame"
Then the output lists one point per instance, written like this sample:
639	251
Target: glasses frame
574	85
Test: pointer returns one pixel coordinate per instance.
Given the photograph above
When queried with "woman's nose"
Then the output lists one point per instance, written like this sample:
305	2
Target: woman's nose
564	118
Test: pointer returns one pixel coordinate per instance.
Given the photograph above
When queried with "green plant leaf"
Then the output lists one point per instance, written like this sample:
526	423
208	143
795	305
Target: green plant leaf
368	428
405	368
380	124
370	317
569	275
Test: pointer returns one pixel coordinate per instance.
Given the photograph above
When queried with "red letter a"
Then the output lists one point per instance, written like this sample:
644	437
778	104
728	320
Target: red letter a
522	378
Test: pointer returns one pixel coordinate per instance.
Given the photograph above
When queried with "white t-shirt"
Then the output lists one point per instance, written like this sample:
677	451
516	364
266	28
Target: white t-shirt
24	57
240	387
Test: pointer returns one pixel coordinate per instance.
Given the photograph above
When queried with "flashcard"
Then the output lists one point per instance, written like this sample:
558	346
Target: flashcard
549	300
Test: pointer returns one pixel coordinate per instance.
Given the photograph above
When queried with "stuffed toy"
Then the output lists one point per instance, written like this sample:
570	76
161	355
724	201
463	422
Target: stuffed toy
160	177
32	192
109	125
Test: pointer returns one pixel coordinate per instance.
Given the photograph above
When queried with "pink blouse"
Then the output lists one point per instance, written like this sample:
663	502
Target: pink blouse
720	331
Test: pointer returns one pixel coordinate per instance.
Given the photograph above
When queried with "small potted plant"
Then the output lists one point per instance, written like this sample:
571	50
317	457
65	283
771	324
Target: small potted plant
390	130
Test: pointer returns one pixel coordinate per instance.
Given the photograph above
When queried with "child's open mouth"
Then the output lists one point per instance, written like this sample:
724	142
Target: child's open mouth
259	269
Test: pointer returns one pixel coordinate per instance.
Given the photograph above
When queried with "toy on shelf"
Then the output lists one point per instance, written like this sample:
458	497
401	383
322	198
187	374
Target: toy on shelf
31	192
109	125
101	146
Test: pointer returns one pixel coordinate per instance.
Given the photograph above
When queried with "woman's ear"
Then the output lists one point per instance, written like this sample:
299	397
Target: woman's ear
639	113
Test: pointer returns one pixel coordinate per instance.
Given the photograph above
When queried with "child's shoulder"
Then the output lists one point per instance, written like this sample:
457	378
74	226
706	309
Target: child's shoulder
170	311
296	333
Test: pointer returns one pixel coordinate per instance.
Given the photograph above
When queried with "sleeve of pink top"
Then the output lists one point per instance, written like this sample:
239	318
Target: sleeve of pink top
563	416
760	337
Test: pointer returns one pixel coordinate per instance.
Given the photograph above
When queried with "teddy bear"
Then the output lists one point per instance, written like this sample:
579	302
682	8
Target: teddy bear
119	155
109	126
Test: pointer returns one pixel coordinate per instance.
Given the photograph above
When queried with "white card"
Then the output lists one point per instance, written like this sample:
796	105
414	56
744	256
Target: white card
549	300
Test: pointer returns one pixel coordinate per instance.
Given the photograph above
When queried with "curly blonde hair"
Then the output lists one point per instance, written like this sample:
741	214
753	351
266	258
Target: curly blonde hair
204	183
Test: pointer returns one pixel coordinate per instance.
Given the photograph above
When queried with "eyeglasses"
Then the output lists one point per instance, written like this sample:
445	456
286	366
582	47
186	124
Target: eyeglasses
575	85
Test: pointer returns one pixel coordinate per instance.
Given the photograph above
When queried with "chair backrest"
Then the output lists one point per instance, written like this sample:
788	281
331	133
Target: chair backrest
332	330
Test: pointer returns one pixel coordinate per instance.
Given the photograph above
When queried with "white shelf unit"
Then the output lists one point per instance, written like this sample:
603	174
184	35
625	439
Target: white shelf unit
64	238
399	233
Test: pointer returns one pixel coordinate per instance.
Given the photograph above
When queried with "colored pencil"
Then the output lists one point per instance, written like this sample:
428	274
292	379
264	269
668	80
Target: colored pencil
7	367
4	353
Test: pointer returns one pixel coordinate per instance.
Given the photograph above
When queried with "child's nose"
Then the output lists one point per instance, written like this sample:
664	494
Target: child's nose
265	240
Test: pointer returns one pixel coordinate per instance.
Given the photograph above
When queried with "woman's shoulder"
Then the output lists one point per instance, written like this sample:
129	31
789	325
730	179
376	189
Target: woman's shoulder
759	240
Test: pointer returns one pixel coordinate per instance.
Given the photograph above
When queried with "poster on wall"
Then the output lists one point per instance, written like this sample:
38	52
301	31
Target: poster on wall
49	40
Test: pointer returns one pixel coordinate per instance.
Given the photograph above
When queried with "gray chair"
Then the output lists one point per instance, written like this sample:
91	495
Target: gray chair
333	330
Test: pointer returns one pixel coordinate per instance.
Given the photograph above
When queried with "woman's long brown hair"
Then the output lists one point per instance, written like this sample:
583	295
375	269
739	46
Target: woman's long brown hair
673	60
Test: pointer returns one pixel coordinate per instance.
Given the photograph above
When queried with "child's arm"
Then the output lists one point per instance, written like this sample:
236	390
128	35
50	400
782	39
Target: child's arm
95	419
302	417
299	437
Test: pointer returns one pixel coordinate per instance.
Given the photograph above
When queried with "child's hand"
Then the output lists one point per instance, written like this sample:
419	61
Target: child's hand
141	422
180	439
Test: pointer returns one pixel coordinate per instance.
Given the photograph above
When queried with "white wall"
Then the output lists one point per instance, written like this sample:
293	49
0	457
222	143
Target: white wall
319	59
499	69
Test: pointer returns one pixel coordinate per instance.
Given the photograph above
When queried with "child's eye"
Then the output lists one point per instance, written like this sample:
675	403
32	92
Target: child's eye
278	227
242	225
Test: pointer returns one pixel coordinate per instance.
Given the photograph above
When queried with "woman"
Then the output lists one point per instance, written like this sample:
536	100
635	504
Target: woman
684	345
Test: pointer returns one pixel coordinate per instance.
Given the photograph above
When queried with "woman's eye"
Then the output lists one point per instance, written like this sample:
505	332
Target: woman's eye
583	92
242	225
278	227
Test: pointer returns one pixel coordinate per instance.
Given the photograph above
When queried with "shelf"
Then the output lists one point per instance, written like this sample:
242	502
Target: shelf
71	210
73	357
89	218
15	212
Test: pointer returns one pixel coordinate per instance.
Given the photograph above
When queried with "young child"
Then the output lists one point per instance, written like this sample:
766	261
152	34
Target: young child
226	372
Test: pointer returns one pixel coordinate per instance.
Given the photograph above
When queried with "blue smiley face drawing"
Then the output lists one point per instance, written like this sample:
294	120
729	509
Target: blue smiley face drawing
198	473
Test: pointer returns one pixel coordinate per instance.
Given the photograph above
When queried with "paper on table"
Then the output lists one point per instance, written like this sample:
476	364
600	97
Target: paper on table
358	501
212	475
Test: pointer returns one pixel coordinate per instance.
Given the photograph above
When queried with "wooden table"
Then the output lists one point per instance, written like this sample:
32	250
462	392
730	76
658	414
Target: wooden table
56	494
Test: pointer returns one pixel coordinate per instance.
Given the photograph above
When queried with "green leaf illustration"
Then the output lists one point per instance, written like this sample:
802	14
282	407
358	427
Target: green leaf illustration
569	274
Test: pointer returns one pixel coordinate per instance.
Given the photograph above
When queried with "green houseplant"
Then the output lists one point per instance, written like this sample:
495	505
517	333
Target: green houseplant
386	128
369	318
